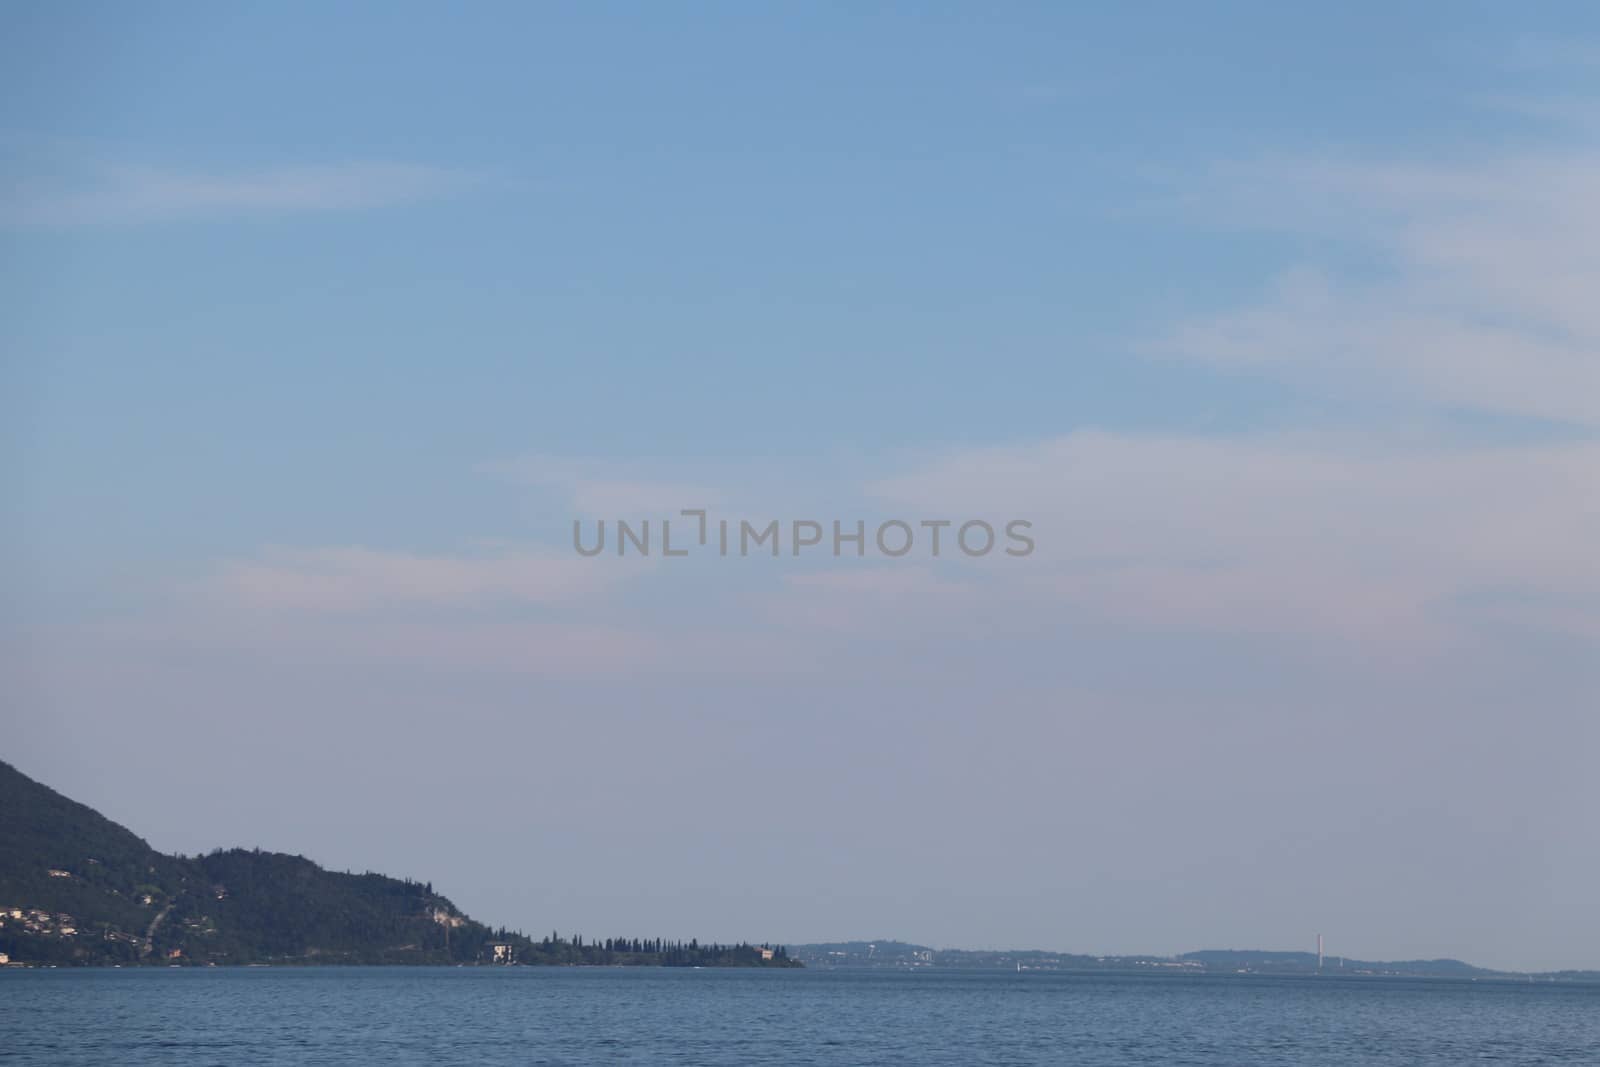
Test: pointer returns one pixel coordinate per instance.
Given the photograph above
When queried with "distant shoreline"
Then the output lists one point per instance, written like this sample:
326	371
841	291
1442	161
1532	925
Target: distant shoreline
1576	979
900	955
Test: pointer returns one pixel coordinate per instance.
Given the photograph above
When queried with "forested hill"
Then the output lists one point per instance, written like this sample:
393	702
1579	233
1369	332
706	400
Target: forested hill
76	887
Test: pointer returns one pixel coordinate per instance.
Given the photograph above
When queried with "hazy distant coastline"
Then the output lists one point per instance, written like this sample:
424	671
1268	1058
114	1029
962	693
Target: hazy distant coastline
79	889
891	954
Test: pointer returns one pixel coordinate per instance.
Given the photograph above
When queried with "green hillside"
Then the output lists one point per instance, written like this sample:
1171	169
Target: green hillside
76	888
104	869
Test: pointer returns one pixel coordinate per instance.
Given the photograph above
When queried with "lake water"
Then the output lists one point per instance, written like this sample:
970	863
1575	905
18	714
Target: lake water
607	1016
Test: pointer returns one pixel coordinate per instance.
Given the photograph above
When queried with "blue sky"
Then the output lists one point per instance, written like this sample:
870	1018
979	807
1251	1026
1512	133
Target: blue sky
320	326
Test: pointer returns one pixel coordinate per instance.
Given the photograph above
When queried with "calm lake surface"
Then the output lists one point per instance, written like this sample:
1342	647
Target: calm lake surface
606	1016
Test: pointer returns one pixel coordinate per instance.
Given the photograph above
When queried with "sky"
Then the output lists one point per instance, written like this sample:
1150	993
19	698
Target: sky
320	327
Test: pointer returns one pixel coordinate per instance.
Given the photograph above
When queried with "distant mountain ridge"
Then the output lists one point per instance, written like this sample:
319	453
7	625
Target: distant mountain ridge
77	888
890	953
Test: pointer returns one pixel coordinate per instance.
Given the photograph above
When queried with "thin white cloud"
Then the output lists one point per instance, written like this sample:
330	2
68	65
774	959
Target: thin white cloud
1422	557
358	579
1475	293
134	195
607	488
1545	53
1327	536
1311	537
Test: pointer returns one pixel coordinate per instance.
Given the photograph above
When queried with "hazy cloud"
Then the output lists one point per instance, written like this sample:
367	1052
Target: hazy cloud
131	195
607	489
1329	535
1475	291
355	578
